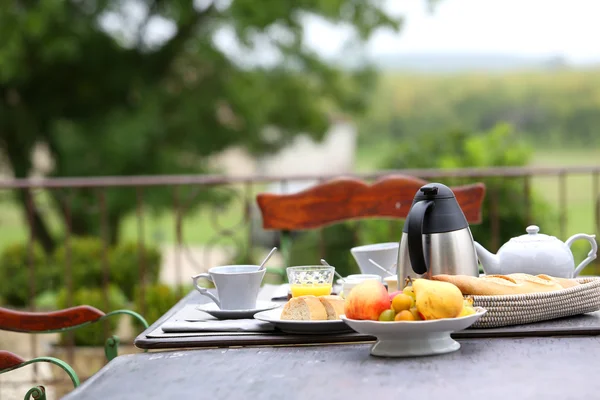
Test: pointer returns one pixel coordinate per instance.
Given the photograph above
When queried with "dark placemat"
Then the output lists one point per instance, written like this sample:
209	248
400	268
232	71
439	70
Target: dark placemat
154	338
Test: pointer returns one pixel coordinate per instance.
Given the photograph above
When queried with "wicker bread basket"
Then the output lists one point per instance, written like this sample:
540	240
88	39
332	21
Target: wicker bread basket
534	307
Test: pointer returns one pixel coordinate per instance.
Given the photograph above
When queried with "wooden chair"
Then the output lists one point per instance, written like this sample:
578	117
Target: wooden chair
50	322
344	199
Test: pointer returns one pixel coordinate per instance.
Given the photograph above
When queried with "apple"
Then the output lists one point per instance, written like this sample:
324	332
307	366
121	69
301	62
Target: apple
367	301
393	294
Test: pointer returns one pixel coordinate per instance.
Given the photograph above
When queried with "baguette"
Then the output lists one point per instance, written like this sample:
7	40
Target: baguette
304	308
564	282
334	306
493	285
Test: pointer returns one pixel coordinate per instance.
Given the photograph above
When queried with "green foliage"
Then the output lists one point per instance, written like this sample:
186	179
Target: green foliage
380	231
500	146
551	109
93	334
123	262
136	107
125	270
15	285
85	257
47	300
158	299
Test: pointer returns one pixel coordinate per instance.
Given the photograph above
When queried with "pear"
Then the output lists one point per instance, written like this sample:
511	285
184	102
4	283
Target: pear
437	299
467	310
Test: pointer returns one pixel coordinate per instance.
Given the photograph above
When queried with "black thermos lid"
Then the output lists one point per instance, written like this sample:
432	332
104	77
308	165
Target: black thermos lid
444	215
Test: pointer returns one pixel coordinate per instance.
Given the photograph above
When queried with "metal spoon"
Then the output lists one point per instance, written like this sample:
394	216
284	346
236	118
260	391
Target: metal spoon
325	263
262	265
380	267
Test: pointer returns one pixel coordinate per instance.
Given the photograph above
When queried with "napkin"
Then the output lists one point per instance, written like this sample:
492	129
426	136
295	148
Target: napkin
227	325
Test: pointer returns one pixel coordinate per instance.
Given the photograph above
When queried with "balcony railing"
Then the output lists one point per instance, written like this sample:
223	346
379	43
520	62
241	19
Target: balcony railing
228	228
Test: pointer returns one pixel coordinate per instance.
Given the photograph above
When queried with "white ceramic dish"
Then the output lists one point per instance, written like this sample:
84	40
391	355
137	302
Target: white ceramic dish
414	338
302	327
384	254
214	310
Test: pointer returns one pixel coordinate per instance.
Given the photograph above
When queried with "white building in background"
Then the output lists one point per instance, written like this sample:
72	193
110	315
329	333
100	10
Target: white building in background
333	155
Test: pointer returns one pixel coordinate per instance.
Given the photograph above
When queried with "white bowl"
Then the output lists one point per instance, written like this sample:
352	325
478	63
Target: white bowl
384	254
392	283
352	280
362	277
413	338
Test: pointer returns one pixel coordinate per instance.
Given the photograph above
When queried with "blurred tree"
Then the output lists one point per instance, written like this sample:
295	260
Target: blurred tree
91	80
500	146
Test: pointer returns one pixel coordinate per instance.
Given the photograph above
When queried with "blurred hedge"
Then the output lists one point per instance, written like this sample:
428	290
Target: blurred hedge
93	334
85	256
86	266
499	146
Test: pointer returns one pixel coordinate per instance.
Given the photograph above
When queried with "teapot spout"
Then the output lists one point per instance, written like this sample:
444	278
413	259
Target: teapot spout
489	261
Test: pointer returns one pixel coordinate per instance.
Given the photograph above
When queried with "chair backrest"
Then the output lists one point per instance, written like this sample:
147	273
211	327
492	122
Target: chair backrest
344	199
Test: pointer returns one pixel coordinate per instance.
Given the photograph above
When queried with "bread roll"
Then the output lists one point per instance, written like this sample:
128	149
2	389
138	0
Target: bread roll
334	306
492	285
304	308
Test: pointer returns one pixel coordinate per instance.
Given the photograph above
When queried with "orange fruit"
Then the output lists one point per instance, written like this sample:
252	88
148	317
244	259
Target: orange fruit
404	315
402	302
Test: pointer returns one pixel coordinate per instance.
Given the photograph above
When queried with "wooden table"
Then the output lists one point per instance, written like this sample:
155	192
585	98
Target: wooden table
588	324
501	368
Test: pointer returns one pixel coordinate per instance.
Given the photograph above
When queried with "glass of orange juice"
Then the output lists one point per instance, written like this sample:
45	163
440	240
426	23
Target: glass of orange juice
310	280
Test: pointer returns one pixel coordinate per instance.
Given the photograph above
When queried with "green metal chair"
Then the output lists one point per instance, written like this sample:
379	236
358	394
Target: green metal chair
52	322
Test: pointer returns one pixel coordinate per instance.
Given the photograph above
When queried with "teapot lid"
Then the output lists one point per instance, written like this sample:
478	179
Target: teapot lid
533	235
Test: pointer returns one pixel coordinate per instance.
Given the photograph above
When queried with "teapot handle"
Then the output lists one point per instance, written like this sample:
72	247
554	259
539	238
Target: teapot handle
591	255
415	236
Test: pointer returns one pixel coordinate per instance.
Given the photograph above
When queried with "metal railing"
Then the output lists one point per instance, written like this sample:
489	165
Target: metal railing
35	208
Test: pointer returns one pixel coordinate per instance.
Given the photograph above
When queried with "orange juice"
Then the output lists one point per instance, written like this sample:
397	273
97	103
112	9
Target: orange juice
318	289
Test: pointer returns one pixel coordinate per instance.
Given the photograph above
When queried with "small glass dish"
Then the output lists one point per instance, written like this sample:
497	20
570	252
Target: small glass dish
310	280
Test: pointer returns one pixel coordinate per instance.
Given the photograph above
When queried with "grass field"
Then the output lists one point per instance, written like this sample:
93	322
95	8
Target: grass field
200	227
580	196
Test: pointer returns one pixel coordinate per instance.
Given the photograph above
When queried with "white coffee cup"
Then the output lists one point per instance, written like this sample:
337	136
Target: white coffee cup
384	254
237	286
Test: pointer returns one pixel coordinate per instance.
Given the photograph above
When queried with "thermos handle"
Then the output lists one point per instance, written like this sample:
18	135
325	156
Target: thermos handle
415	236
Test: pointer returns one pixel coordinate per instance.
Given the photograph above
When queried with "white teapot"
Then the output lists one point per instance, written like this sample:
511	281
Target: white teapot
536	253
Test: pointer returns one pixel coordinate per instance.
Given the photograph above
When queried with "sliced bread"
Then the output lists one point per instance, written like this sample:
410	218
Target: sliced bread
334	306
304	308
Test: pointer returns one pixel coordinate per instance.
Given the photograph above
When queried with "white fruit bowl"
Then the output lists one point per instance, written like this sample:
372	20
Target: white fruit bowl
413	338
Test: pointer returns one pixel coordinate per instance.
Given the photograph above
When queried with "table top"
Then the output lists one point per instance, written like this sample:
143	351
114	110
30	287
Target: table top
588	324
500	368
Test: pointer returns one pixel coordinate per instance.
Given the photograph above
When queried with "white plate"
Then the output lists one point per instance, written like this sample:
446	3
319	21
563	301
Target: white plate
414	338
302	327
215	311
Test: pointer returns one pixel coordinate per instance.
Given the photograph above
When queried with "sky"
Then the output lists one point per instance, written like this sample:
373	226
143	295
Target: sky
517	27
535	28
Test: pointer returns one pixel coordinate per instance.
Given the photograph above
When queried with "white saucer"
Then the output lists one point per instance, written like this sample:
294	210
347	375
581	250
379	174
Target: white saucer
212	309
